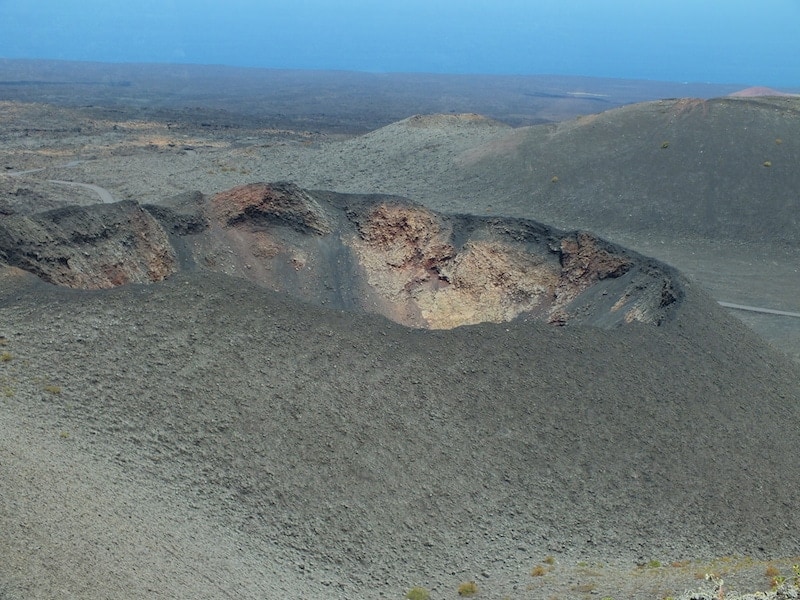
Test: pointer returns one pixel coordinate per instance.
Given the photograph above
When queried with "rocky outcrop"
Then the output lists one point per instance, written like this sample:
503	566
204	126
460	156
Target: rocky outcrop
426	269
183	214
100	246
438	271
271	204
376	254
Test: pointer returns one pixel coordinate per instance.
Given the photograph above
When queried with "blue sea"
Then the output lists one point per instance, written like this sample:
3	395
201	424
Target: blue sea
730	41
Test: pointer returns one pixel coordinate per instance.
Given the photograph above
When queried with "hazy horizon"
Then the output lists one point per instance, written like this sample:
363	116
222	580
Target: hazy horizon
732	42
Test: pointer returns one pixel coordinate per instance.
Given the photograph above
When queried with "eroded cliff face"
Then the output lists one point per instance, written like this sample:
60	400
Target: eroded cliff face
92	247
261	204
375	254
425	269
497	271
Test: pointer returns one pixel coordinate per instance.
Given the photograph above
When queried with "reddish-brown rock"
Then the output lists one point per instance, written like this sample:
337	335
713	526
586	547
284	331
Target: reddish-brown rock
276	203
376	254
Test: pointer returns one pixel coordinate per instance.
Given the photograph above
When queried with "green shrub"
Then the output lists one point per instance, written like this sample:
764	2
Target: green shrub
418	593
468	589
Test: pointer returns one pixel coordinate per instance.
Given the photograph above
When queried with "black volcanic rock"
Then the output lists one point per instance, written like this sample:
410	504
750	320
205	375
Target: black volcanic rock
182	215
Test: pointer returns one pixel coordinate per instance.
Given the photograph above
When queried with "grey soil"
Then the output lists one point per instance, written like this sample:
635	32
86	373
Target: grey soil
208	403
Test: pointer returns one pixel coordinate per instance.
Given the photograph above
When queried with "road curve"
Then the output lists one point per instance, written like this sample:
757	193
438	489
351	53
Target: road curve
103	193
758	309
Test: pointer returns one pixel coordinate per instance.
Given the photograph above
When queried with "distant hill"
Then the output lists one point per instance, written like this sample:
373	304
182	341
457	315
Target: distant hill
724	168
758	90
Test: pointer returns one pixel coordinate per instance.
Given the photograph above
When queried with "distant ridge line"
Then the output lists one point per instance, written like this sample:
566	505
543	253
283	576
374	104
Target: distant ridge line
44	82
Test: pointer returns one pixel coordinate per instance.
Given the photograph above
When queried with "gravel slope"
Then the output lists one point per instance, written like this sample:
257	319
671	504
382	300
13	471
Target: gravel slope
492	447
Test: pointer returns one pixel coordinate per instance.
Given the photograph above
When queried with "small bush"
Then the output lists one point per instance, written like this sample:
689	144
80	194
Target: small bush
679	563
538	571
549	560
777	580
6	356
52	389
418	593
771	572
468	589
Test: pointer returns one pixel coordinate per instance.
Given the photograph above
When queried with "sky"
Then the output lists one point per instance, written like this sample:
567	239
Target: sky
718	41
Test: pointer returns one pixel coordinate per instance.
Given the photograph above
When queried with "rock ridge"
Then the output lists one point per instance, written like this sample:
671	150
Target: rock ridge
89	247
370	253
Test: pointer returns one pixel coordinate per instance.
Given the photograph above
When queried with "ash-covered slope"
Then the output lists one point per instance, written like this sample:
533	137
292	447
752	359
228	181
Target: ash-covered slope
354	455
378	254
723	168
364	457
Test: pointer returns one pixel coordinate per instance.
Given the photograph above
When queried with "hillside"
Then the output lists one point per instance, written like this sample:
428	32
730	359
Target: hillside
378	455
436	352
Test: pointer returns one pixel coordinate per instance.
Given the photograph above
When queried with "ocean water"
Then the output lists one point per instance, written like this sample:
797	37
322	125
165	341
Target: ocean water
719	41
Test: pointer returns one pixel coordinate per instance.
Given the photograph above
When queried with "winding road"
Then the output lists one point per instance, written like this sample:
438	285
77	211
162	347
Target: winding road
104	195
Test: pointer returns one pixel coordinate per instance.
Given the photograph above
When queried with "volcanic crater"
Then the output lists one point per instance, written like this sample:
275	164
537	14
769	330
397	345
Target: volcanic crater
377	254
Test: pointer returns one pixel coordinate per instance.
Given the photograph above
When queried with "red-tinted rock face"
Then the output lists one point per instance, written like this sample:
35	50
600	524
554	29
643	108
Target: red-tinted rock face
279	204
583	264
498	273
425	269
